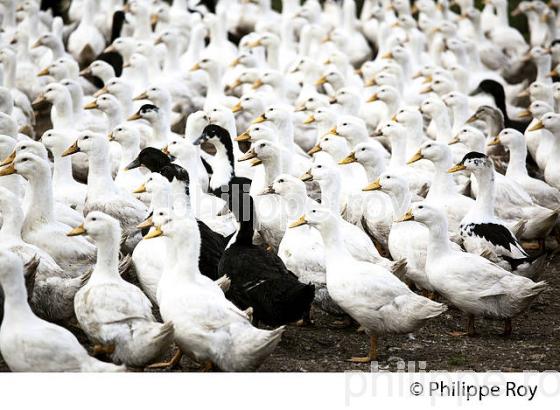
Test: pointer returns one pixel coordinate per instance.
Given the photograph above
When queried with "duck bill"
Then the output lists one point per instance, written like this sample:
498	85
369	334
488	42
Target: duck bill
101	91
538	126
236	108
134	164
148	223
301	108
235	63
72	149
243	137
427	90
373	98
195	67
314	150
524	114
248	155
471	119
154	233
9	170
269	190
255	162
165	150
91	105
387	56
374	186
454	140
416	157
110	49
407	217
299	222
9	159
332	131
309	120
44	72
306	177
349	159
456	168
141	189
143	96
38	101
495	141
259	119
257	84
321	81
134	117
85	71
77	231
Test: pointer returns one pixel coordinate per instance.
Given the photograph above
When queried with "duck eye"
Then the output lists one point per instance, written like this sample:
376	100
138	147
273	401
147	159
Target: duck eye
94	219
280	180
345	124
363	149
86	137
23	147
319	166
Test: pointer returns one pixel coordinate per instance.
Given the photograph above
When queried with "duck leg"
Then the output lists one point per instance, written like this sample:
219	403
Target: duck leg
103	349
507	327
372	354
207	366
306	319
174	360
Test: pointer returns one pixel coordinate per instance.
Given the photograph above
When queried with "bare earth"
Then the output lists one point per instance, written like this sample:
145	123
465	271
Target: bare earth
321	348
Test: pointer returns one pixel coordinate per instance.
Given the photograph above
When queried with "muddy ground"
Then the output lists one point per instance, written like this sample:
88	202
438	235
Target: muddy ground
535	344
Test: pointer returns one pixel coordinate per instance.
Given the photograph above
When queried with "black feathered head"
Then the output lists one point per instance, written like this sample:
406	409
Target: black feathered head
151	158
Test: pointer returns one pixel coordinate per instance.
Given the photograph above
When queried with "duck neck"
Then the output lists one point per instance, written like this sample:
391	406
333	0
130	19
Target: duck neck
460	116
272	168
331	193
12	222
484	204
128	154
62	170
10	72
171	63
223	169
99	176
185	253
64	117
107	257
398	151
335	249
374	169
517	161
115	116
16	306
41	201
439	238
443	127
401	199
161	128
246	221
442	182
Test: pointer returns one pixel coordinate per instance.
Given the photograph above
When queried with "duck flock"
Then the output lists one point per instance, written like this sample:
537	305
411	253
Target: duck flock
189	178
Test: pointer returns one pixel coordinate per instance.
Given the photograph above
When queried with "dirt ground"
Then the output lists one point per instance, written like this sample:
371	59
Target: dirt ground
535	344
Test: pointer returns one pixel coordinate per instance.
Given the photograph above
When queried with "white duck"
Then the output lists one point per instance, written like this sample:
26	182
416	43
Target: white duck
48	347
370	294
115	314
470	282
